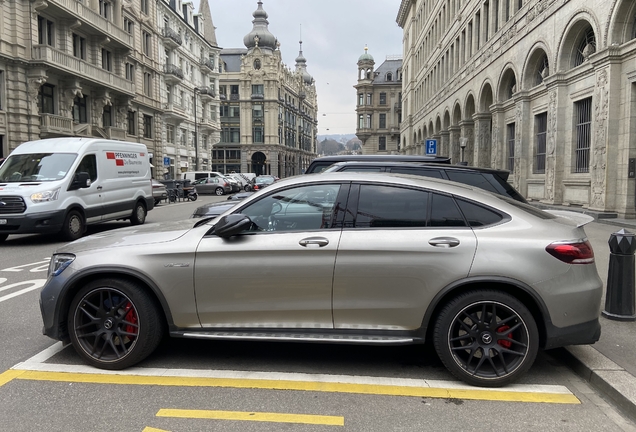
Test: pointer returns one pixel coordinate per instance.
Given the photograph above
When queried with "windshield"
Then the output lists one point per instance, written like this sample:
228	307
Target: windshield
264	180
36	167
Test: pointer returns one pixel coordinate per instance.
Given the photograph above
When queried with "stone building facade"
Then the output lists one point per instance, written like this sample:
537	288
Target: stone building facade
268	111
543	88
379	105
85	68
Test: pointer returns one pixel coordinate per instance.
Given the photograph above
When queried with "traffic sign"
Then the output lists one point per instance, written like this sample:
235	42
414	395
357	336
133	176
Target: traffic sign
431	147
166	161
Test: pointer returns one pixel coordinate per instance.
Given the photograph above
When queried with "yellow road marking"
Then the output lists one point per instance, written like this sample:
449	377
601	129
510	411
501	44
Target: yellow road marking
253	416
9	376
151	429
333	387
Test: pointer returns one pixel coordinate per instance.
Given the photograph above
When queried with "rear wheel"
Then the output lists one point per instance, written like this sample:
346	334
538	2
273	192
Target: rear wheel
486	338
139	214
114	324
74	226
219	191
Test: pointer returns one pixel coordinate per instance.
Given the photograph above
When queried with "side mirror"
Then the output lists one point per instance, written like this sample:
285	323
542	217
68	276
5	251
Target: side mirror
232	225
80	181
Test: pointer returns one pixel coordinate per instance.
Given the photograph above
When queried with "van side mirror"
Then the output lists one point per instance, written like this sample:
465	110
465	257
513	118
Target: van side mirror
81	180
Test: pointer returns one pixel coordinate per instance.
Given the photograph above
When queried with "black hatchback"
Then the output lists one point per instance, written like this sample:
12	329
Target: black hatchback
492	180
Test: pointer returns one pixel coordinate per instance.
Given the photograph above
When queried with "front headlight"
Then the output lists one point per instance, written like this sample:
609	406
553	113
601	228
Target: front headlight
59	262
50	195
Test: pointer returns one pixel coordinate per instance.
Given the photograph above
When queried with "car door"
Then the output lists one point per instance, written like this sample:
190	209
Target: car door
279	273
398	250
92	197
207	186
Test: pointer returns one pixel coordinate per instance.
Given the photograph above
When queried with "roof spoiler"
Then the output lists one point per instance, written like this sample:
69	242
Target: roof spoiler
579	218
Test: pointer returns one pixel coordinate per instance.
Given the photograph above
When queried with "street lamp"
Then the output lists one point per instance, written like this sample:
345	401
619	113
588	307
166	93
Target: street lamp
196	127
462	144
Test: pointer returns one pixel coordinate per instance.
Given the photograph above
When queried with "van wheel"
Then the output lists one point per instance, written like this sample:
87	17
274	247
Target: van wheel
219	191
3	237
139	214
74	226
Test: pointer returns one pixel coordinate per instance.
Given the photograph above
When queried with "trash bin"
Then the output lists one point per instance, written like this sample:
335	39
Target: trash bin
619	296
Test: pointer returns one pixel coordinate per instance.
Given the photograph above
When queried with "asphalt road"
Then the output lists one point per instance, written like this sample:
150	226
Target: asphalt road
192	385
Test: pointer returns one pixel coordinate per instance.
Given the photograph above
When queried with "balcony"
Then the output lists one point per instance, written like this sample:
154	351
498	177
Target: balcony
173	74
174	113
208	125
92	22
67	64
207	65
52	125
363	134
115	133
222	96
207	93
171	39
234	97
258	96
394	131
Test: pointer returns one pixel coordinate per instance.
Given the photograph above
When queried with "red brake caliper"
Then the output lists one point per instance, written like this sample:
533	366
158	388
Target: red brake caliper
504	343
130	317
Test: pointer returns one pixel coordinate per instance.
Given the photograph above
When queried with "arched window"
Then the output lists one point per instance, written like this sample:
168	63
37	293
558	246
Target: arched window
512	87
585	47
633	35
389	76
257	64
543	71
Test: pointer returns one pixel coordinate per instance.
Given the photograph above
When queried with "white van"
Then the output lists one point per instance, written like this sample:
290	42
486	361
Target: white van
64	184
197	175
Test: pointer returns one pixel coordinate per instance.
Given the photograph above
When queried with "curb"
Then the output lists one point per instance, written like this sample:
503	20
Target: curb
604	375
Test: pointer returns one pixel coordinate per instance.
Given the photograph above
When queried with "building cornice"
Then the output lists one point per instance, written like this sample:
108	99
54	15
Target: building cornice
403	12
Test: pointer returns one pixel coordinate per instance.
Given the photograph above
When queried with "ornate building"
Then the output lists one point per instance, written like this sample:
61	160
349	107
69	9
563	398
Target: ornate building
268	112
91	68
189	87
543	88
379	106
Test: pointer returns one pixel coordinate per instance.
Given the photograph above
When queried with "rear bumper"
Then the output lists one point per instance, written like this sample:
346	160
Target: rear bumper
579	334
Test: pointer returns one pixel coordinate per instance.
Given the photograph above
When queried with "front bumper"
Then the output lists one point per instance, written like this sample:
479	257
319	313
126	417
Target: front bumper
33	223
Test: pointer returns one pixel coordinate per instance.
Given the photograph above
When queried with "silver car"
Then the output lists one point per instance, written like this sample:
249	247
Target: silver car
213	185
344	258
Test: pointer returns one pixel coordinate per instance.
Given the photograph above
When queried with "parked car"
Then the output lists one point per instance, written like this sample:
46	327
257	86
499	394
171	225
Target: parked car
322	163
236	186
215	185
341	257
262	181
490	179
159	191
215	209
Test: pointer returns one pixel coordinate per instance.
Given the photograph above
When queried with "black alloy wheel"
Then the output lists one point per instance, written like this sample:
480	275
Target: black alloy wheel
114	324
486	338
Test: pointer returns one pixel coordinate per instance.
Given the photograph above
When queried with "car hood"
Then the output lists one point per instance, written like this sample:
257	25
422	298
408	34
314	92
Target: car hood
146	234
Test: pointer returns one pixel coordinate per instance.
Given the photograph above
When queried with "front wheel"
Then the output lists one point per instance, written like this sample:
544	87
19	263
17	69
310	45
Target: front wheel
193	197
219	191
486	338
247	188
74	226
139	214
114	324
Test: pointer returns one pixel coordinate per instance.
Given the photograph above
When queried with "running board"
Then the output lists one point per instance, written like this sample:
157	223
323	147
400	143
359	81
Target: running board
300	337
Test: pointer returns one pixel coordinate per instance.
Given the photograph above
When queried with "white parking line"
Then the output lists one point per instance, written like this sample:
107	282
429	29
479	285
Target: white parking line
37	283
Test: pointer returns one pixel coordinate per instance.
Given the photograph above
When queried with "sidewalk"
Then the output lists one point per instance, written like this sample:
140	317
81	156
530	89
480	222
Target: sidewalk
610	364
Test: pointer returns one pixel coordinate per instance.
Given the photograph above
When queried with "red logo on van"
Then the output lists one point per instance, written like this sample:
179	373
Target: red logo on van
111	155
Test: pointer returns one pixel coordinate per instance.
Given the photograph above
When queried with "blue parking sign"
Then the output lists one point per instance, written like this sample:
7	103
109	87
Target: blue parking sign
431	147
166	161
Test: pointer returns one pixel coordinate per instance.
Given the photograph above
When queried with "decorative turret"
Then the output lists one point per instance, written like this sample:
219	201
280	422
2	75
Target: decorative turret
366	65
301	66
260	35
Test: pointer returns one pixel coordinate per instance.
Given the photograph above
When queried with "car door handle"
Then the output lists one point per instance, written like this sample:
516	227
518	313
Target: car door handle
99	188
319	241
446	242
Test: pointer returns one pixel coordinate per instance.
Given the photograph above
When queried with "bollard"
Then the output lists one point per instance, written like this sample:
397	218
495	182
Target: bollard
619	297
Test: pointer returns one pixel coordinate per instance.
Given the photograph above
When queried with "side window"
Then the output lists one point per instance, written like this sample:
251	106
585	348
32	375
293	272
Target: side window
472	179
391	207
88	165
444	212
298	209
417	171
477	215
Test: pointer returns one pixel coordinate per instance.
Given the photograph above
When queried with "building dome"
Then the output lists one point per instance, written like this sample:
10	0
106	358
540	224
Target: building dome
366	56
260	34
301	66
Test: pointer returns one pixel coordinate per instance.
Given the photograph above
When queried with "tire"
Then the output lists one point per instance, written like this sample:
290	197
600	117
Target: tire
219	191
3	237
157	202
479	351
114	324
74	226
247	188
193	197
138	216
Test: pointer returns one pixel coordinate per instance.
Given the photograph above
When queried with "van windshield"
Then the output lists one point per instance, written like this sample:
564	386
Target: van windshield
36	167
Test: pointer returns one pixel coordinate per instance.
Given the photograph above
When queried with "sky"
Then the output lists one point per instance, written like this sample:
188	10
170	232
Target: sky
334	34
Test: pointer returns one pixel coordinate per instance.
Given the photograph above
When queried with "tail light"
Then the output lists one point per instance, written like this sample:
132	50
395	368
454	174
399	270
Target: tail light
255	187
572	252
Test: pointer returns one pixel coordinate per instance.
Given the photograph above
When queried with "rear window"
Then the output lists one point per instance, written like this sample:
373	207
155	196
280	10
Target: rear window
471	179
527	208
445	213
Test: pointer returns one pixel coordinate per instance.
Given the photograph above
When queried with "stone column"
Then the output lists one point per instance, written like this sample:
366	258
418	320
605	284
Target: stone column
483	140
497	139
455	134
523	130
445	143
552	193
